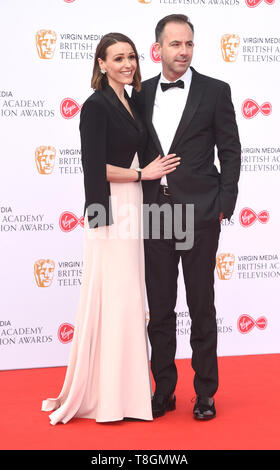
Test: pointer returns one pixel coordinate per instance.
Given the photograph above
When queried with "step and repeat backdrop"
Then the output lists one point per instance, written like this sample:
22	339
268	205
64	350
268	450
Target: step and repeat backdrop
46	56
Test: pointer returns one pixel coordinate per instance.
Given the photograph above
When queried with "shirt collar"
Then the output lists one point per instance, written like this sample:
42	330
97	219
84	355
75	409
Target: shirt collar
186	77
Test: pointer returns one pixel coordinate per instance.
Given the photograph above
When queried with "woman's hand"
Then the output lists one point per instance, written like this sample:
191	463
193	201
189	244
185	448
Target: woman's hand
160	167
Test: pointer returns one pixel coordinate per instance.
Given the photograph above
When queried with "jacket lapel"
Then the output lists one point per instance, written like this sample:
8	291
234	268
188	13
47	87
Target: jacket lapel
149	106
111	96
194	98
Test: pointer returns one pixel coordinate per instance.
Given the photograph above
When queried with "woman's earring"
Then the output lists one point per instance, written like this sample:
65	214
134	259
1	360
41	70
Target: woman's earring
103	71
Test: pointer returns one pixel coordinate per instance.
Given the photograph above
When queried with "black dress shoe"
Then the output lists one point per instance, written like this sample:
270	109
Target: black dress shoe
204	408
161	404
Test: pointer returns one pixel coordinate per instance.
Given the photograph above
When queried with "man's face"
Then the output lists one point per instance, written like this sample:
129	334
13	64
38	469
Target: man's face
176	49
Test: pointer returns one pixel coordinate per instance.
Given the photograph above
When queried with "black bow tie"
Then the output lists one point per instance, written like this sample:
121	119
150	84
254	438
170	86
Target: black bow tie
166	86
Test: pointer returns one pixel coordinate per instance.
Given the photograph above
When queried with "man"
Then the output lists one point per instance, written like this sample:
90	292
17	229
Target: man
189	117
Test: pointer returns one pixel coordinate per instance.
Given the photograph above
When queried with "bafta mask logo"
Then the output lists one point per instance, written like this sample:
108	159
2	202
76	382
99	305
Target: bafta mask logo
229	45
45	42
45	159
43	272
225	265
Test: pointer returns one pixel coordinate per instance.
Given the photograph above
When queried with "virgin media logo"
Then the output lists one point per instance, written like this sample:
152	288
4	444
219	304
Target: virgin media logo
69	108
255	3
68	221
248	217
65	333
250	108
155	55
245	323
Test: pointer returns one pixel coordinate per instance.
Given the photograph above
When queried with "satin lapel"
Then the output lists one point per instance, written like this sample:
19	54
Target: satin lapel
149	106
111	96
194	98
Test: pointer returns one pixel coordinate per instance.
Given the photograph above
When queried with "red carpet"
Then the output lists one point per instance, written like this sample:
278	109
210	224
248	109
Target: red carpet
247	403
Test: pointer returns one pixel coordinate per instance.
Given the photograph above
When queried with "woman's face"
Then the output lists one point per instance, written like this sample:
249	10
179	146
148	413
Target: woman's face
120	64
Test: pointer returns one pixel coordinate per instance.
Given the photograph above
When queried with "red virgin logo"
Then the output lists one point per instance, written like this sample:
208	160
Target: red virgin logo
68	221
245	323
69	108
255	3
250	108
247	217
155	55
65	333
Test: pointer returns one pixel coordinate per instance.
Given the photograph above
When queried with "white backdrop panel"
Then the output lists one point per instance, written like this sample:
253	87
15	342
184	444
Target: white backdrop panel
39	302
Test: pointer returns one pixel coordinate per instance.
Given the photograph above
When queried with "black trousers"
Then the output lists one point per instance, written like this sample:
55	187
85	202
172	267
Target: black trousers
198	264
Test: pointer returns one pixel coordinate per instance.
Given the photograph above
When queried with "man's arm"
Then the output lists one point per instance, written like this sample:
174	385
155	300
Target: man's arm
229	151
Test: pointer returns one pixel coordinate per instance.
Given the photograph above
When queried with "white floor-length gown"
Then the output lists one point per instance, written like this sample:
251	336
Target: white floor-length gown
108	375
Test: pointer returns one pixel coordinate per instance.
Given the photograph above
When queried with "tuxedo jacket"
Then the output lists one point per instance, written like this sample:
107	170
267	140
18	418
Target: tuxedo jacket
208	120
109	134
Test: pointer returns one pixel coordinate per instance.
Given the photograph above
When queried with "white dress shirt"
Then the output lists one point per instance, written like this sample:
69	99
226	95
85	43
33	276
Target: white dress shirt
168	109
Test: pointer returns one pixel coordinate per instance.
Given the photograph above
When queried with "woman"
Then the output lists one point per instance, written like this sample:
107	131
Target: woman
108	377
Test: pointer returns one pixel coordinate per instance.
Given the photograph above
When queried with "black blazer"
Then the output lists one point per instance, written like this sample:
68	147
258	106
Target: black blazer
109	134
208	120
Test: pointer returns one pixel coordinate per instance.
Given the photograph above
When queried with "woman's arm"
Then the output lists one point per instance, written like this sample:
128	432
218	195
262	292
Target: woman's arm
155	170
117	174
